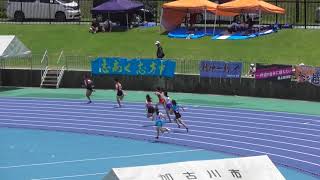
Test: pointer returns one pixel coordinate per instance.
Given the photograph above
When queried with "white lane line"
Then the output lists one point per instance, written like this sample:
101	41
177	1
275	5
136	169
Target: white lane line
140	109
171	138
104	102
189	135
206	127
101	158
111	116
60	114
70	176
72	103
8	110
134	124
215	124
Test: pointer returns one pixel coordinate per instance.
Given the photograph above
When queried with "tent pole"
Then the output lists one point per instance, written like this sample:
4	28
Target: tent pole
160	20
259	19
215	22
205	21
127	22
1	68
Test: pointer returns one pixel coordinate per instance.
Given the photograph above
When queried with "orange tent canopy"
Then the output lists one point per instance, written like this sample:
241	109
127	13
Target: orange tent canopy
174	12
248	6
196	6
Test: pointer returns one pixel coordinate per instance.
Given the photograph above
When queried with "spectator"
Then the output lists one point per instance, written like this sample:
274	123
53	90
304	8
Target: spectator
252	70
193	20
107	26
94	26
136	20
235	25
249	22
160	53
186	21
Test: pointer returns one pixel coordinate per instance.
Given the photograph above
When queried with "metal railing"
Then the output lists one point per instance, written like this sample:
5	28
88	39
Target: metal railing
59	77
60	63
44	76
44	63
60	68
83	63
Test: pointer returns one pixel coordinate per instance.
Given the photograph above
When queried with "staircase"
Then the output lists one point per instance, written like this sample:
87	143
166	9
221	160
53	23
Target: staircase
51	77
50	80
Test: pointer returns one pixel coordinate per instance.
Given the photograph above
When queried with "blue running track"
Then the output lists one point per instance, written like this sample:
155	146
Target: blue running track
289	139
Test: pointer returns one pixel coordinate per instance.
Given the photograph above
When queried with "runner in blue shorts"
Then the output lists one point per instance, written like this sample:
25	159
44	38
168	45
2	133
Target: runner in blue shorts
159	122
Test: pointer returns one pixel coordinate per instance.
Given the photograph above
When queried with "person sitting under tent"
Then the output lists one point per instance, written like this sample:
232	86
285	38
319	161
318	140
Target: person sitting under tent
94	26
136	20
106	26
249	22
193	20
234	27
186	22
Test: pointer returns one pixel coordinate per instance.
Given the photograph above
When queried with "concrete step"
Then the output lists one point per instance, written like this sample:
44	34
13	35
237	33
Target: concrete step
51	81
51	87
52	72
48	84
50	77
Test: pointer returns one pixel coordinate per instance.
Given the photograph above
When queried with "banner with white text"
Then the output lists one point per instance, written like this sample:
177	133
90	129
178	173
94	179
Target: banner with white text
244	168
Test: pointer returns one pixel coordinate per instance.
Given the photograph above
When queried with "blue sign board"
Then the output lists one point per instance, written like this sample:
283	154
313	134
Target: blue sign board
134	67
220	69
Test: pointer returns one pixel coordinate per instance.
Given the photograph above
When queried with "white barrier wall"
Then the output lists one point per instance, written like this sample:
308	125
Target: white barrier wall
244	168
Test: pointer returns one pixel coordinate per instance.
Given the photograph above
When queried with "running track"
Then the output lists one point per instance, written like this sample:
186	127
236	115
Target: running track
289	139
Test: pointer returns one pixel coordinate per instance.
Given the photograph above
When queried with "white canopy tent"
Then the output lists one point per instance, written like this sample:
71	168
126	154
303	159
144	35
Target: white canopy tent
11	46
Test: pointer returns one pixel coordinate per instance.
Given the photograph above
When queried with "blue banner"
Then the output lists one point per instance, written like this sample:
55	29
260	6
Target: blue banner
220	69
134	67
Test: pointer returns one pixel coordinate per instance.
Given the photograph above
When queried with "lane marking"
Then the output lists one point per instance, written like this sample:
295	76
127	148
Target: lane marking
189	135
142	109
101	158
59	113
224	109
133	124
70	176
178	139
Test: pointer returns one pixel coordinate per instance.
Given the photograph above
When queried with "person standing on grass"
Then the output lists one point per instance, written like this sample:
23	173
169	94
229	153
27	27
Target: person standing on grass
160	53
120	93
88	84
